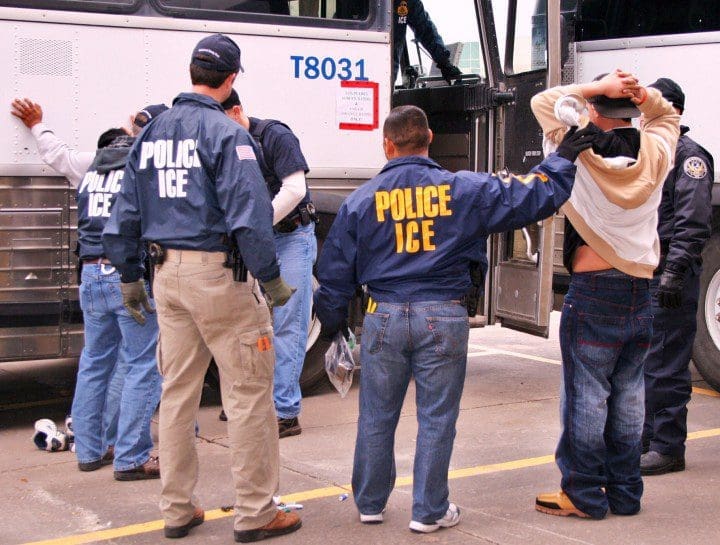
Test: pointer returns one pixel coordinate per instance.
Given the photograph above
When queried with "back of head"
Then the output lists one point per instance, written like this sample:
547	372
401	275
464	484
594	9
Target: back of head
147	114
214	58
109	136
231	101
407	127
613	108
671	92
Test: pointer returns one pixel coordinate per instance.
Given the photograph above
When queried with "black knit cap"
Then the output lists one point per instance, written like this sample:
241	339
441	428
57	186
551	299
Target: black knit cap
671	92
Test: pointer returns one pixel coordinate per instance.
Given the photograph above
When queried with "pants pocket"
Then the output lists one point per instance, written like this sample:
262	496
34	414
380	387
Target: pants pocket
450	334
258	355
599	338
374	326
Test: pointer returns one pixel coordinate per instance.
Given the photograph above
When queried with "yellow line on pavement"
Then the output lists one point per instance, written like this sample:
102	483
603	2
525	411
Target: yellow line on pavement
705	392
317	493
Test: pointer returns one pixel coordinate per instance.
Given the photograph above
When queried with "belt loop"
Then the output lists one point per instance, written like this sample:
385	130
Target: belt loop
204	258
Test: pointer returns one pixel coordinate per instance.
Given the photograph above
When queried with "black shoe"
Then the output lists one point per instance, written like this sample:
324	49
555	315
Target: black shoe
288	427
106	459
181	531
222	416
654	463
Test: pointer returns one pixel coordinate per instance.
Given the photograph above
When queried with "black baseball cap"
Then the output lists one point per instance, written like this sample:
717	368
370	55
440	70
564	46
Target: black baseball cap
613	108
232	100
148	113
217	52
671	92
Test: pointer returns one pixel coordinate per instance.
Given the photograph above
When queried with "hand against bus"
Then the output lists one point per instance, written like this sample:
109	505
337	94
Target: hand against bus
29	112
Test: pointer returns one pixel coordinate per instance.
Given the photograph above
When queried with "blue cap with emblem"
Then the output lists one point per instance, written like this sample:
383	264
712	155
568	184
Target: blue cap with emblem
148	113
218	53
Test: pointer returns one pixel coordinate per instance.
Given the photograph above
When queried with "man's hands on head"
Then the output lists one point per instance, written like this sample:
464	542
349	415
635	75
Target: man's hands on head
29	112
617	84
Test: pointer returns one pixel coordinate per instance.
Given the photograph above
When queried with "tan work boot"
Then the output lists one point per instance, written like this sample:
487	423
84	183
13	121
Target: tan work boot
559	504
283	523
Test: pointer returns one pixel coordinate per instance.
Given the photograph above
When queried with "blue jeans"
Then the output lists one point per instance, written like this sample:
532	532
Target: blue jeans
428	341
605	333
296	253
112	405
112	335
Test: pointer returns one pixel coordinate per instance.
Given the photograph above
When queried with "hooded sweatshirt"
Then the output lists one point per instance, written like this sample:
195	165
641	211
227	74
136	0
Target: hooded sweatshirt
614	202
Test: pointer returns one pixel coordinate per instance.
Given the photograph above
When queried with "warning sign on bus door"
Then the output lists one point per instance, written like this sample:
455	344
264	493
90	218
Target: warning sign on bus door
357	105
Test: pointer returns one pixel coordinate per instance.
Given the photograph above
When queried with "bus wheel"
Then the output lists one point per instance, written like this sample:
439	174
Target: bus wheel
706	350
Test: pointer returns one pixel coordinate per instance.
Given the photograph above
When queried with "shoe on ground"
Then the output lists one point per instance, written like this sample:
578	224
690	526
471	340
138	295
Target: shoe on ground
47	437
559	504
106	459
181	531
222	416
288	427
451	518
283	523
148	470
373	519
654	463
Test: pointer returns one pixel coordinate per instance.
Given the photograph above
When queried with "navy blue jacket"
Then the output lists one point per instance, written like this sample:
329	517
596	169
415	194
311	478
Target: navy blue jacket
95	193
279	154
192	181
410	233
412	12
685	212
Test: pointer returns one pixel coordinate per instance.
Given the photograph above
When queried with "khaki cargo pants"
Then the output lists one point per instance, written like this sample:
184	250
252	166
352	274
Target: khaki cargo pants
202	312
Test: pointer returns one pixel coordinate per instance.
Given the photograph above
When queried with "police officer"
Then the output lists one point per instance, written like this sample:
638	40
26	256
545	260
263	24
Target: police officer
409	235
284	167
412	12
193	187
684	225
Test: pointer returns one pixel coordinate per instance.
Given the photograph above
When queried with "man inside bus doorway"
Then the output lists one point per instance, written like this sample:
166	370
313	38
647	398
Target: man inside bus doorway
283	166
684	225
412	13
611	249
410	234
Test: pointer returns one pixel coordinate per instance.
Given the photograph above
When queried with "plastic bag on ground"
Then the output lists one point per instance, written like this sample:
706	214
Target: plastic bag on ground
339	363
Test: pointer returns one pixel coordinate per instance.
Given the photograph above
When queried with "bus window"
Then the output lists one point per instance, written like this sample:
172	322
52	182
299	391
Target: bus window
604	20
458	27
324	9
116	6
529	37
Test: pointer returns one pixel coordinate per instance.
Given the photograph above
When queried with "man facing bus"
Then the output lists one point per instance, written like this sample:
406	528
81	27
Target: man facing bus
611	249
194	189
410	234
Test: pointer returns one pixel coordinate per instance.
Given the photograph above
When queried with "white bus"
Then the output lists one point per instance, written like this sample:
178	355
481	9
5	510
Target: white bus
324	68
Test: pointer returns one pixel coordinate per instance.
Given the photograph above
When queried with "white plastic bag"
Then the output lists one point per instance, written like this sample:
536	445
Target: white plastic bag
339	363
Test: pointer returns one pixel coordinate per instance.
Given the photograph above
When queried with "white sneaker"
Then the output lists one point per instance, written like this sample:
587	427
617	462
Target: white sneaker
373	519
47	437
451	518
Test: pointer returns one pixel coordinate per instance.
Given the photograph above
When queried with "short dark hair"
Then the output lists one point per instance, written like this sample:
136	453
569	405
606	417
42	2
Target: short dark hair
231	101
203	76
407	127
108	136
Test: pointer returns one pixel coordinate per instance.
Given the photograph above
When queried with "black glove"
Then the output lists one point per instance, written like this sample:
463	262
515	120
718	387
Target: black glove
669	290
327	334
576	141
449	71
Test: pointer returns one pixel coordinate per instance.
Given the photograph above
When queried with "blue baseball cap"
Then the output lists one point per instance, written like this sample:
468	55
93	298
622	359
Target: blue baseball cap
148	113
218	53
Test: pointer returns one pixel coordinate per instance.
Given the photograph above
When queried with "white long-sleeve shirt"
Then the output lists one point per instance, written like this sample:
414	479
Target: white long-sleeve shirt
57	154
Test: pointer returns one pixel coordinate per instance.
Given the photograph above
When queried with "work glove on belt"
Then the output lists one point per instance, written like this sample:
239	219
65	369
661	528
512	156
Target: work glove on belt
277	292
135	299
449	71
669	292
576	141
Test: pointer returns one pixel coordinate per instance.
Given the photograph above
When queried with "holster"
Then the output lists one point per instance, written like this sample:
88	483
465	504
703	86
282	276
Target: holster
234	261
472	297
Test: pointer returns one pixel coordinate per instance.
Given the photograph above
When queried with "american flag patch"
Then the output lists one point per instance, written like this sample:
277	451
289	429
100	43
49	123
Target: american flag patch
245	152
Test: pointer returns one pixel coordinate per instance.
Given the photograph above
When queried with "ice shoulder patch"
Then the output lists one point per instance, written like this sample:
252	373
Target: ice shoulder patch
695	167
245	152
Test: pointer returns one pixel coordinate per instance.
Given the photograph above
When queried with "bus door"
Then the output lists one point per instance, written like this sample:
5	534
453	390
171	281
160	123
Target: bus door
522	260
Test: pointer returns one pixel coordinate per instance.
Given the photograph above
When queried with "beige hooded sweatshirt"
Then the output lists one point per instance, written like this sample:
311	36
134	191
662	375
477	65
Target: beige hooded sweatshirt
614	202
